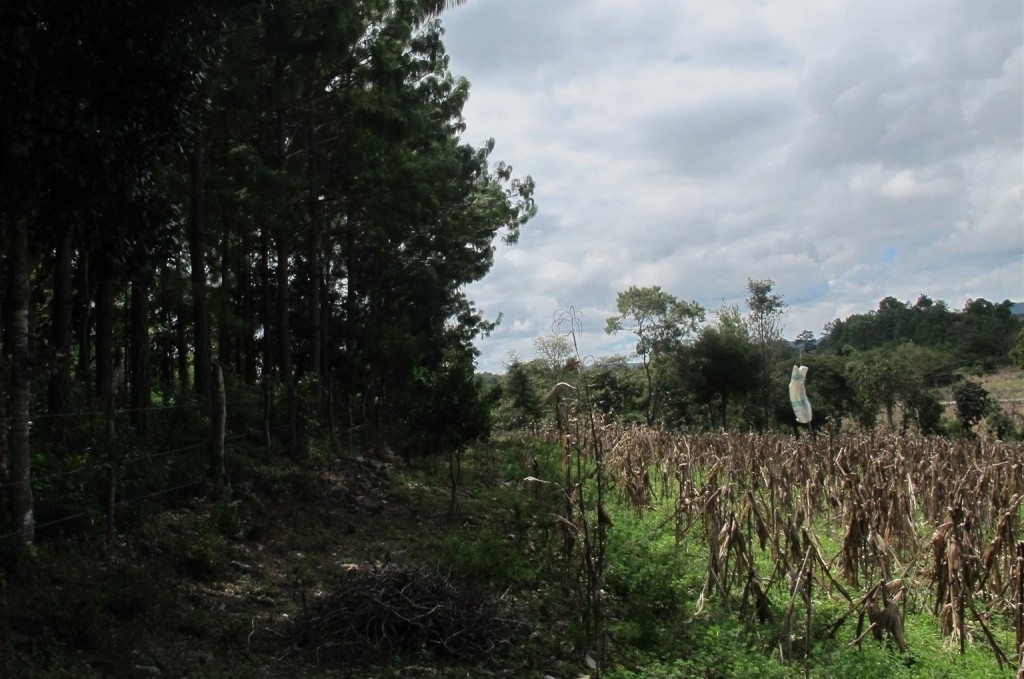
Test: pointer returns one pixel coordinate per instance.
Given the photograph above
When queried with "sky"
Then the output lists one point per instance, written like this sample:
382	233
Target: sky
848	150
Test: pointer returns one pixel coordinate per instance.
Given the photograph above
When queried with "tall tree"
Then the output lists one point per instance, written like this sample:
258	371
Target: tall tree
17	350
197	260
521	395
765	310
554	351
726	361
91	97
659	321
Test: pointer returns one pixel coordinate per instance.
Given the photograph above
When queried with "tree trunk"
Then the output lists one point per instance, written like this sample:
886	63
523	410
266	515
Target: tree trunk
650	390
197	255
3	419
248	315
84	327
139	353
113	457
283	332
218	415
180	336
265	307
223	336
3	394
313	254
165	352
19	453
104	333
284	350
284	337
59	393
348	330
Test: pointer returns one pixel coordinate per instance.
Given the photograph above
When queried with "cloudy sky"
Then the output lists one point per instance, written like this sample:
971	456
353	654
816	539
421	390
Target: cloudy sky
846	149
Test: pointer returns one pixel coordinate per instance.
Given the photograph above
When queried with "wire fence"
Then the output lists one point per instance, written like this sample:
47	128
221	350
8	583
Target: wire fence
119	464
126	411
138	458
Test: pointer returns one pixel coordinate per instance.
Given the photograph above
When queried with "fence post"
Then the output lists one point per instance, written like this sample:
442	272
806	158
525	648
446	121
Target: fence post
219	416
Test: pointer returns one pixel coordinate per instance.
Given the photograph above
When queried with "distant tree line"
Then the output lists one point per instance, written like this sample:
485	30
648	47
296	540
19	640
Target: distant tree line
980	335
275	190
893	367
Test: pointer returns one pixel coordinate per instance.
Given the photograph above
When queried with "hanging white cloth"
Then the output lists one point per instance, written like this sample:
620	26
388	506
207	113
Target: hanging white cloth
798	394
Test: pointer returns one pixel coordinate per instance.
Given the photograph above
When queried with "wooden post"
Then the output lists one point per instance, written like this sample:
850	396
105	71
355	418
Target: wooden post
218	416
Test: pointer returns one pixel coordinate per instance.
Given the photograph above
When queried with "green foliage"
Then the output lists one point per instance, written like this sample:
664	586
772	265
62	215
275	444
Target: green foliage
617	390
765	312
982	334
191	542
524	402
660	322
656	317
284	184
487	556
972	402
450	409
725	365
556	352
828	386
879	377
1017	351
924	408
1000	424
649	593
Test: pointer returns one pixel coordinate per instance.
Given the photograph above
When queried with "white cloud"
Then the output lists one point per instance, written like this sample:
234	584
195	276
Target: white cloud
847	150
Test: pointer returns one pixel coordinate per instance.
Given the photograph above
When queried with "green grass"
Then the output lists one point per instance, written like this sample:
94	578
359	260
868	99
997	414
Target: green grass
211	587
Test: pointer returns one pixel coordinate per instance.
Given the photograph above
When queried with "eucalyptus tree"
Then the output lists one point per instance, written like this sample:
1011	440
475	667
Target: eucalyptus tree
659	321
765	311
555	352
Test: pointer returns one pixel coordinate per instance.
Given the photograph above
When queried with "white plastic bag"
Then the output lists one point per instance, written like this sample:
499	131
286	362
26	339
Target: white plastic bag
798	394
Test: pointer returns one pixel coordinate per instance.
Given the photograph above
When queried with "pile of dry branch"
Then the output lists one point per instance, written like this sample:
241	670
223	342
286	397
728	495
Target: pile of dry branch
377	610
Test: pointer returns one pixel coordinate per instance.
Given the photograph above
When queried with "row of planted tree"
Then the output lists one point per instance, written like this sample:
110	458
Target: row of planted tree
275	190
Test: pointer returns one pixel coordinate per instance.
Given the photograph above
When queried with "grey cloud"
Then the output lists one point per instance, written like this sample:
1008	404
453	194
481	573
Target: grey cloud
847	151
715	137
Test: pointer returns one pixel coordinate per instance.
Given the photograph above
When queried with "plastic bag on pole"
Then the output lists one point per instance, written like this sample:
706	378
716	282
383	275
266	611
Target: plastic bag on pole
798	394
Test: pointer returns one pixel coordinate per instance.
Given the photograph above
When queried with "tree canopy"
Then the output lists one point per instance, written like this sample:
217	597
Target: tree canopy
658	320
280	190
